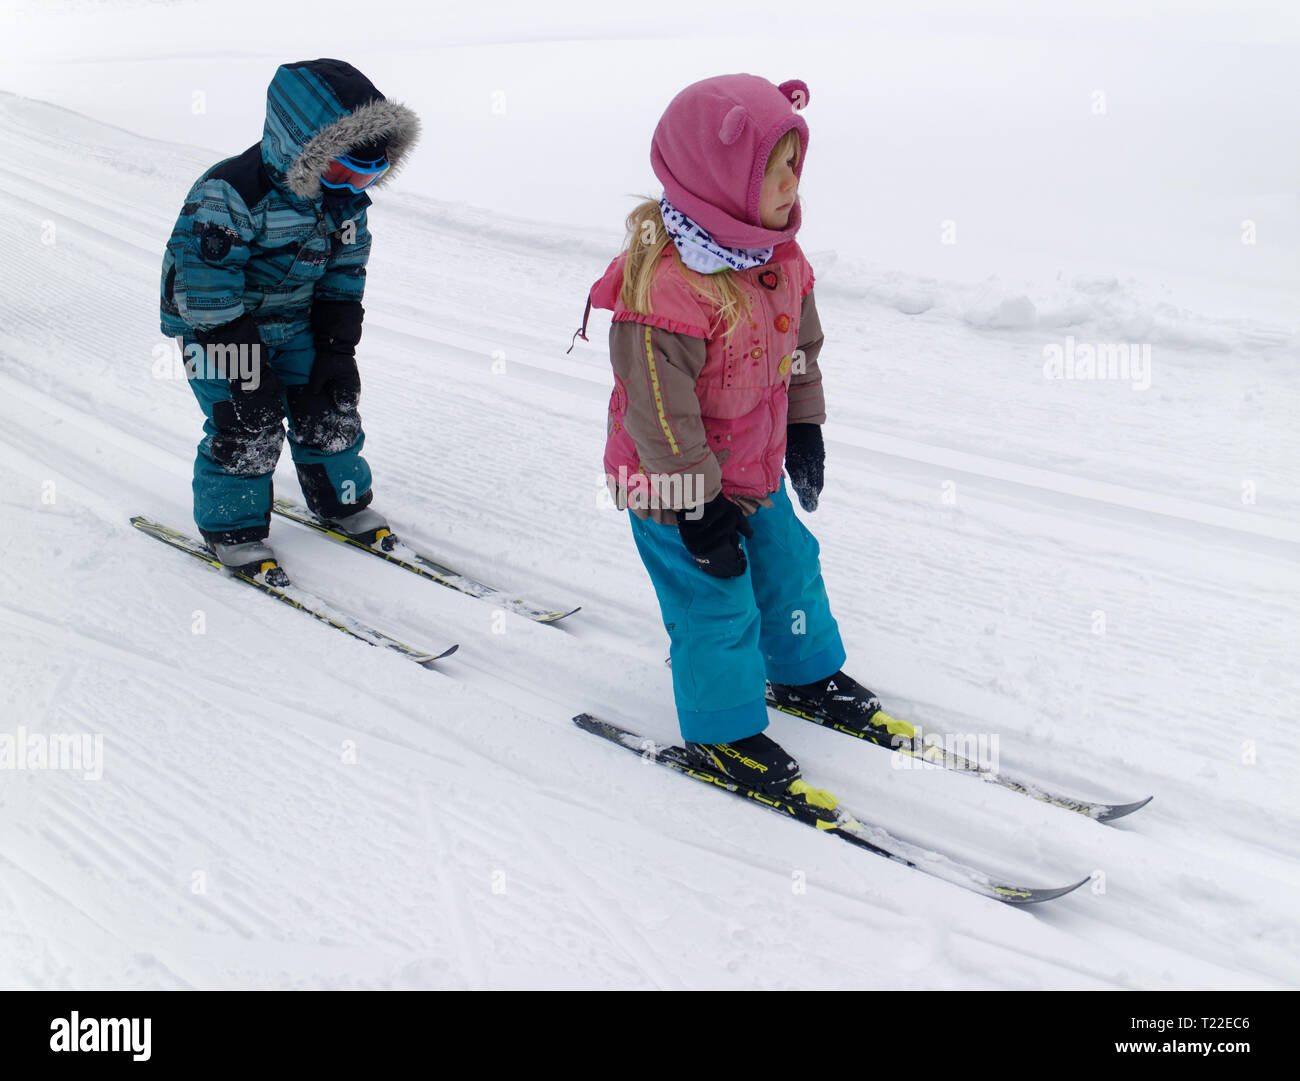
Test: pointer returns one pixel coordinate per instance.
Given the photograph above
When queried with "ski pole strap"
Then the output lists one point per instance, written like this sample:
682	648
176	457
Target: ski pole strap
581	332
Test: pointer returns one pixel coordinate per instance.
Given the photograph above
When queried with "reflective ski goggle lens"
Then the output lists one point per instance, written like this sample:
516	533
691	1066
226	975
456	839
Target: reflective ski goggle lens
349	173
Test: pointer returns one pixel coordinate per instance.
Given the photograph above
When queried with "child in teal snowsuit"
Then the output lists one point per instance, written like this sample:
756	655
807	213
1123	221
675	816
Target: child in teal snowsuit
262	282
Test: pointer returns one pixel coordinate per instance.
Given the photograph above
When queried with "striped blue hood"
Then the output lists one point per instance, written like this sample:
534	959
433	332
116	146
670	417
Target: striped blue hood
319	109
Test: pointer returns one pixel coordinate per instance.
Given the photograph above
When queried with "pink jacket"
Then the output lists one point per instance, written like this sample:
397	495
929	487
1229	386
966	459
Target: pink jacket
718	407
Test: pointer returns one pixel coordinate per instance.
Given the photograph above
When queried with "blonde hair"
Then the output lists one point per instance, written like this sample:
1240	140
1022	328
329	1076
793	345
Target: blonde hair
647	238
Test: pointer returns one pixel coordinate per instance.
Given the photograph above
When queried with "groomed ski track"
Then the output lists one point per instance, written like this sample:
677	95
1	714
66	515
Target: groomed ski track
282	807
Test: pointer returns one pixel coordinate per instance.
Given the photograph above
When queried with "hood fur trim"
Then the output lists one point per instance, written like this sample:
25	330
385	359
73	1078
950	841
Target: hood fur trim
376	119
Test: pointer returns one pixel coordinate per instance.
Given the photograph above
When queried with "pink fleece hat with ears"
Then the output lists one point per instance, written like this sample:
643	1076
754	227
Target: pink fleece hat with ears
710	152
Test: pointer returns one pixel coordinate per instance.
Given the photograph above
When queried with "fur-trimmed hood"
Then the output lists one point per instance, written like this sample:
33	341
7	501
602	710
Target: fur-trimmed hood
319	109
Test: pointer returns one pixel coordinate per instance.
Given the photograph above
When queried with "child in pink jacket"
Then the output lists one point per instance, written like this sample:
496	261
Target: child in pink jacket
714	346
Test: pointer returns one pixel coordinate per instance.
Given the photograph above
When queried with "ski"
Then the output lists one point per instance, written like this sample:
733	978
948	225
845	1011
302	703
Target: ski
818	809
291	595
898	735
390	548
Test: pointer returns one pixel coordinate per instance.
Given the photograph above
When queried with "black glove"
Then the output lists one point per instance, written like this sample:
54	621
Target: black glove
241	358
805	461
336	330
260	408
335	375
712	538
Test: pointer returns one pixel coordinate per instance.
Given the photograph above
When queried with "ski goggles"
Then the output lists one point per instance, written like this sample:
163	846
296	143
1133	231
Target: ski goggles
351	174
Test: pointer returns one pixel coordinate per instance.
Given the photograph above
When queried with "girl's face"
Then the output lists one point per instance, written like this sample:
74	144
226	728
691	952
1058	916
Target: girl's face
780	185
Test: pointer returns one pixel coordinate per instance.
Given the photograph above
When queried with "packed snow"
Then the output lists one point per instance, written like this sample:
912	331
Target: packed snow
1093	562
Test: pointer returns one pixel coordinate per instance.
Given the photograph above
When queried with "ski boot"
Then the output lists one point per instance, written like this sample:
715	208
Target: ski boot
252	559
839	699
755	761
365	527
762	764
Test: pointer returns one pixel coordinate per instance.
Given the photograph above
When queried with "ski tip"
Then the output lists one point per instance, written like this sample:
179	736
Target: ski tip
432	661
1119	810
1015	895
555	617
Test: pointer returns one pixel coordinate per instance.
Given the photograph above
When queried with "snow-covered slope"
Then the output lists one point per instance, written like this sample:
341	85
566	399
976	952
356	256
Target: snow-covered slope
1105	578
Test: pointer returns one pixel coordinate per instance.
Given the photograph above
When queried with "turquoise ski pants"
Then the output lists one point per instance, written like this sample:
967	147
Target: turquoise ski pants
730	635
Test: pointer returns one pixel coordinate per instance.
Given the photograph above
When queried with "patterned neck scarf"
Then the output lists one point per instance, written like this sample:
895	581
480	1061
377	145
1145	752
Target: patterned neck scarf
701	252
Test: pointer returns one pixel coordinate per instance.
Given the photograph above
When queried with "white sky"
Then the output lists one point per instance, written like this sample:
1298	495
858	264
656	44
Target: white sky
986	114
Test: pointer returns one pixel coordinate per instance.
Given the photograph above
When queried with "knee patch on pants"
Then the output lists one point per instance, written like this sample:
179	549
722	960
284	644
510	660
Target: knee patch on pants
318	490
245	452
321	421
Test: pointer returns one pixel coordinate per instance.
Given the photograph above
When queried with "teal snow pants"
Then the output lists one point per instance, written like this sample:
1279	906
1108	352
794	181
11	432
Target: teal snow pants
729	635
233	467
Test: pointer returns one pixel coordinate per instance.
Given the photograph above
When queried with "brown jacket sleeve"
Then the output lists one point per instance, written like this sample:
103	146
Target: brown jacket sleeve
658	370
807	400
